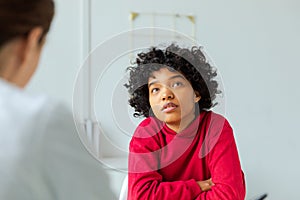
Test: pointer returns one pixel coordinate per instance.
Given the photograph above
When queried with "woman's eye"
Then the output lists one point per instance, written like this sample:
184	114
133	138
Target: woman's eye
154	90
177	84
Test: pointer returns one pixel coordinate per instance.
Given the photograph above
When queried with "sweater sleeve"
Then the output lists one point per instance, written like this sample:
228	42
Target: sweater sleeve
226	173
145	180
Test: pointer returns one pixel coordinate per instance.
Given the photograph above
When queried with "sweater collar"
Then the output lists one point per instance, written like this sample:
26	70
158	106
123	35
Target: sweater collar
190	130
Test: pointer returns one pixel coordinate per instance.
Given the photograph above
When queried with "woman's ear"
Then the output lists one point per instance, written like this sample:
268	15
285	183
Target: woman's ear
197	96
33	44
29	58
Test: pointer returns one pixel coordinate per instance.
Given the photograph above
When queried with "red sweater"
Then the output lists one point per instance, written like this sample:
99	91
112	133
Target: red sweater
166	165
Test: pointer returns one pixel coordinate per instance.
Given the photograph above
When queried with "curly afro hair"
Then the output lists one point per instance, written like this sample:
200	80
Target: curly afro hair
189	62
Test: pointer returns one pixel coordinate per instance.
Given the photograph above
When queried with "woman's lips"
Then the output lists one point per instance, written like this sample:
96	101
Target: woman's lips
168	107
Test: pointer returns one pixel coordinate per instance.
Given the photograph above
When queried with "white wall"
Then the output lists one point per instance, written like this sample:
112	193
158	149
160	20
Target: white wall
62	55
255	46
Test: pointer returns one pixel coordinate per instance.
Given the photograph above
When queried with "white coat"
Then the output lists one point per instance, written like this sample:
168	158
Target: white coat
41	156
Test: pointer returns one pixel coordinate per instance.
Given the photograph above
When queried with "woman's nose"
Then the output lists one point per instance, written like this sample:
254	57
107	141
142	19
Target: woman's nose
167	94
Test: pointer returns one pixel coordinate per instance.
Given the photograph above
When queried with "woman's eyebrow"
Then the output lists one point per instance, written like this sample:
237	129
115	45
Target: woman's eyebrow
152	83
177	76
171	78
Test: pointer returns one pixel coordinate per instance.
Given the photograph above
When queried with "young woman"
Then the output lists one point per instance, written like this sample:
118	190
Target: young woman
182	150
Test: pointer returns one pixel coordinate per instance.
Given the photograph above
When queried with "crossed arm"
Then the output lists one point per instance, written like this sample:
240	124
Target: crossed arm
226	181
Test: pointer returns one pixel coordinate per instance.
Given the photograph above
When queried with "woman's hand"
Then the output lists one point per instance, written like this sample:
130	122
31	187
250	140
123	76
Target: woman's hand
205	185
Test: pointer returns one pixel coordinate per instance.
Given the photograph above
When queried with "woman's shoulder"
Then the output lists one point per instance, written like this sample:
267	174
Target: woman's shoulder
147	133
212	117
148	127
28	110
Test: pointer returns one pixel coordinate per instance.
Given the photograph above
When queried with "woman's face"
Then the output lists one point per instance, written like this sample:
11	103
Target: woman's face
172	98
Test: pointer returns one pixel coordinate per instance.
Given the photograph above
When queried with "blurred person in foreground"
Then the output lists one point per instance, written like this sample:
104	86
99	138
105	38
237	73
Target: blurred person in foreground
41	154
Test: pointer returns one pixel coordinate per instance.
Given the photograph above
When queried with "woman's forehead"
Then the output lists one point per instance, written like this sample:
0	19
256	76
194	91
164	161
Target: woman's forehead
164	73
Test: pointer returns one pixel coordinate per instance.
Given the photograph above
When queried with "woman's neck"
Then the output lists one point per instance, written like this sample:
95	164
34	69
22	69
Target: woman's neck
181	125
